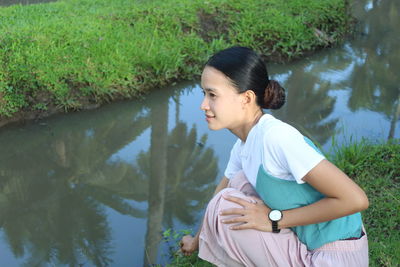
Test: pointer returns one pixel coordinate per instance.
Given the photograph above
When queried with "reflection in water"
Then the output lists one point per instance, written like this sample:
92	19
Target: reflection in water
177	166
375	79
51	201
157	176
308	103
58	184
356	85
68	184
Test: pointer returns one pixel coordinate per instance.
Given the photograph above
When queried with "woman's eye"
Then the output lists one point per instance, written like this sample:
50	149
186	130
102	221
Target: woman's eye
208	94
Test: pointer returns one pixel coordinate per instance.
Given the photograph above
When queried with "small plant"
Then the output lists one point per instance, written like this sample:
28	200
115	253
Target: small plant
172	238
40	106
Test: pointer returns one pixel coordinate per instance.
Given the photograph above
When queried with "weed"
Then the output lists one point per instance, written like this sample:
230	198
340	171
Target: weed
172	238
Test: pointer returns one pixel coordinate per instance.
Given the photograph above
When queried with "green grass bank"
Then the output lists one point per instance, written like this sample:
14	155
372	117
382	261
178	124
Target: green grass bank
77	54
376	168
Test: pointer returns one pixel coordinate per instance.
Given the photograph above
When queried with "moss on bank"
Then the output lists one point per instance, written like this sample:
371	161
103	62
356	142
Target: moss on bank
375	167
75	54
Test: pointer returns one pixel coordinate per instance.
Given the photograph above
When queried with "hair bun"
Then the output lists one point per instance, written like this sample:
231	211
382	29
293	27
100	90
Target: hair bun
274	96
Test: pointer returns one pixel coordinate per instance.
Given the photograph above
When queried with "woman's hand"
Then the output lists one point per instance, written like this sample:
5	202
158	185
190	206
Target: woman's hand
250	216
189	244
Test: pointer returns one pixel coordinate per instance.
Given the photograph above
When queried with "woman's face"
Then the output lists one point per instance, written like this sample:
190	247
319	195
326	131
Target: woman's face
222	103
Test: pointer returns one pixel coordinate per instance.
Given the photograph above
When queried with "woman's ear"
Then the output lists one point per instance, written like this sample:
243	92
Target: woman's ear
249	97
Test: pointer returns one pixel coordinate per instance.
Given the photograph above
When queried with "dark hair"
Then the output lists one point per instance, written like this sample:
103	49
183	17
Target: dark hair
247	71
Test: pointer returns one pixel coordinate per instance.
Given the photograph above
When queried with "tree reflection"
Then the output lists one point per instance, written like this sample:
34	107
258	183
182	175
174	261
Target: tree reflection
181	172
308	104
55	185
369	68
50	221
375	79
51	207
157	178
192	169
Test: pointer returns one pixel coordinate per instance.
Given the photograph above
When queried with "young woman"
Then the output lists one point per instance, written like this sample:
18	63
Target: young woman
280	203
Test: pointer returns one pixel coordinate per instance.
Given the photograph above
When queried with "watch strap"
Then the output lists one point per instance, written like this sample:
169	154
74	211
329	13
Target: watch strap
275	227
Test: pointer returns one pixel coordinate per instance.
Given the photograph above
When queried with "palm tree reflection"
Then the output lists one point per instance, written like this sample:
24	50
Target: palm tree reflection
308	103
375	79
51	198
181	173
57	183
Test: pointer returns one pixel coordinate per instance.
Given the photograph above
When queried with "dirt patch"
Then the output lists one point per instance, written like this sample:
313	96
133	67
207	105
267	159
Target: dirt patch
212	25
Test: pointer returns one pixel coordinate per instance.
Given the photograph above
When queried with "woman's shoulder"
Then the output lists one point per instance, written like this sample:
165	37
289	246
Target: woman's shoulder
273	129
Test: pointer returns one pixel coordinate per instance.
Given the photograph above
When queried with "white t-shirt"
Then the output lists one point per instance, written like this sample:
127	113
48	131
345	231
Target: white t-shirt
279	147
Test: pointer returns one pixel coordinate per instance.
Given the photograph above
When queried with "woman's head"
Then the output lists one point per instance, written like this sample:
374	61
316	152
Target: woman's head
247	71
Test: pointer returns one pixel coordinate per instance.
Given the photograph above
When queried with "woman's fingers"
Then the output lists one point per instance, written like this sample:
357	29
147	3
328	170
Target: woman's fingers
237	219
188	245
233	211
242	226
253	214
257	200
242	202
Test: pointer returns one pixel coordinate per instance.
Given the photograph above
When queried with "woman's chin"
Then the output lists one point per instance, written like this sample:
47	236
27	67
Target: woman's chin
214	127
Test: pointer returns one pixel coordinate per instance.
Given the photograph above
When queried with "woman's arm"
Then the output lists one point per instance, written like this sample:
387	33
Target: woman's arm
189	244
342	197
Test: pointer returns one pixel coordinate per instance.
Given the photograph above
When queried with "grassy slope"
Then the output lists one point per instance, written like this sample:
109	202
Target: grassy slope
74	53
376	168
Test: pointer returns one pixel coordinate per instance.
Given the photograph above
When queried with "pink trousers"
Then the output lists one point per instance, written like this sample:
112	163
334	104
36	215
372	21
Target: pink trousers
224	247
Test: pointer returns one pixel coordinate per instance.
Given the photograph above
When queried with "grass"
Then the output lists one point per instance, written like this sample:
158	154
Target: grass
172	238
376	168
72	54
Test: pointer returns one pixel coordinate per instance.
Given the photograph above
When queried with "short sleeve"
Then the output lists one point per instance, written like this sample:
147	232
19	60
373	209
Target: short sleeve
291	152
234	164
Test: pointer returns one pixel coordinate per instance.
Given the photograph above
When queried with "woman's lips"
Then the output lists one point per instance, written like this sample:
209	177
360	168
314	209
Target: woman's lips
209	117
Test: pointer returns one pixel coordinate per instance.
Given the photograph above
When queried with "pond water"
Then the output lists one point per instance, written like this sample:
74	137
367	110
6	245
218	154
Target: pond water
98	188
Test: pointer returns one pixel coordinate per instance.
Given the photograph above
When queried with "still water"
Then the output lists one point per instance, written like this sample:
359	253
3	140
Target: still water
97	188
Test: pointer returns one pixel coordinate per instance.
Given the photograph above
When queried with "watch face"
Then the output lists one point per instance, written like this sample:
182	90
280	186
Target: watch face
275	215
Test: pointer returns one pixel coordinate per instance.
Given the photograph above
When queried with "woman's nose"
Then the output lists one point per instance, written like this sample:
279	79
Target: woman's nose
204	104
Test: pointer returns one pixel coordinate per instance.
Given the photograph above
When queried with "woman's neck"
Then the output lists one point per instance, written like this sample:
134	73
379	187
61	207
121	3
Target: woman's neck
243	130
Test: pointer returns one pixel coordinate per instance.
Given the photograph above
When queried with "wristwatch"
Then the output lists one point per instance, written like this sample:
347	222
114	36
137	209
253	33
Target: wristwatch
275	216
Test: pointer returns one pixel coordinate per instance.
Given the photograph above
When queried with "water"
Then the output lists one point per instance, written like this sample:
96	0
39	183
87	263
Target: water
98	187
